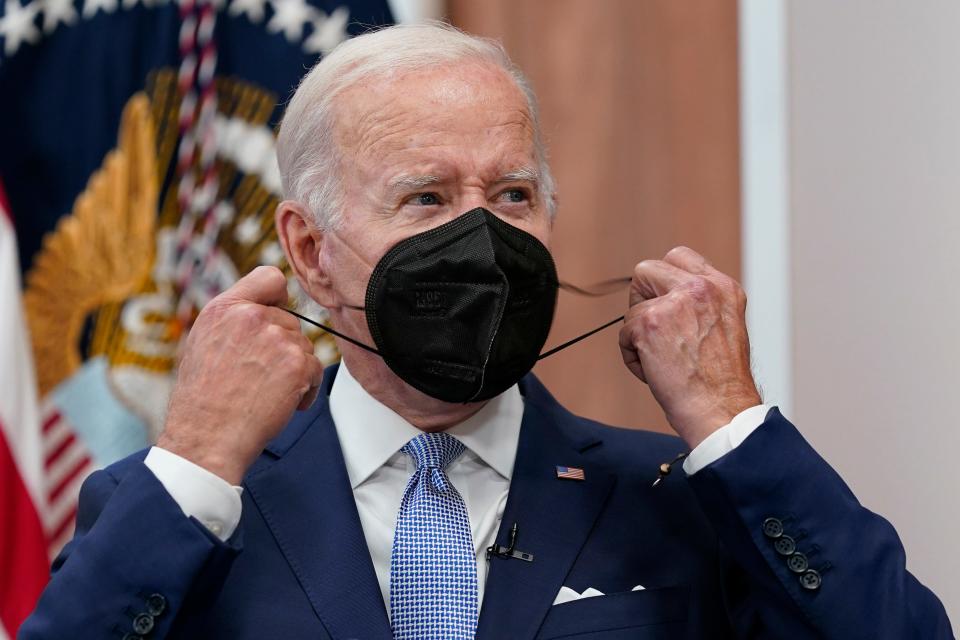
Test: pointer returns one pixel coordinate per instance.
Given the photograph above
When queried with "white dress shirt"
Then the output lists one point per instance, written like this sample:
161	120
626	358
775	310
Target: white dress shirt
371	436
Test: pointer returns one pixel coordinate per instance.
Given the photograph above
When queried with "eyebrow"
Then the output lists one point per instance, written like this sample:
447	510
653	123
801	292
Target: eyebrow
405	182
413	182
523	174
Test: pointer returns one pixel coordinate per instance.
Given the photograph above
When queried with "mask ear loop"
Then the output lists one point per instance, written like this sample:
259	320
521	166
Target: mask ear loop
603	288
598	289
331	331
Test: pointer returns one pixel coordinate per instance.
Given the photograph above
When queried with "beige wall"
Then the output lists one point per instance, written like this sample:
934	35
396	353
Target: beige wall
874	113
640	110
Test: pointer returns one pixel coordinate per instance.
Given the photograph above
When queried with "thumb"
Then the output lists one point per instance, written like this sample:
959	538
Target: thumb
264	285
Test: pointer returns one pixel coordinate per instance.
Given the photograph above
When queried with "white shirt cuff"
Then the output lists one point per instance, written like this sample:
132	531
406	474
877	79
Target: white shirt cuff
726	438
200	493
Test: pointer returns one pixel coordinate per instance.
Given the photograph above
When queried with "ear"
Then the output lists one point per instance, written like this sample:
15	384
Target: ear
303	244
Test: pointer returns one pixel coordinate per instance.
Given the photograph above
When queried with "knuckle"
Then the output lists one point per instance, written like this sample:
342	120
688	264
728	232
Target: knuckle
653	318
643	266
274	332
701	289
248	316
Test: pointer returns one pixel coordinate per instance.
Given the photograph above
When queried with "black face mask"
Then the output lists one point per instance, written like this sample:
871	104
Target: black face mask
461	311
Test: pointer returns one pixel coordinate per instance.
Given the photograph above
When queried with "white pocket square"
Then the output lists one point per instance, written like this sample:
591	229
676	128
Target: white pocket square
566	594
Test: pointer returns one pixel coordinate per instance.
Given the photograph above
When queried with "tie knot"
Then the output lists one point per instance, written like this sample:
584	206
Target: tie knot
435	450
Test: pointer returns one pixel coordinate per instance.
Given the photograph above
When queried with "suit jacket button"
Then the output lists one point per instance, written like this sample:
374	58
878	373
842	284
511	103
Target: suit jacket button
156	604
143	624
785	545
772	528
798	563
811	580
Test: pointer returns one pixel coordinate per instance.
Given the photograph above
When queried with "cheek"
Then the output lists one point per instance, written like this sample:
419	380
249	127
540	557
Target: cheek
542	232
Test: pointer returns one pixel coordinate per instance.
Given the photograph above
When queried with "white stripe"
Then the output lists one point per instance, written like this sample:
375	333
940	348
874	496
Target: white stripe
53	438
18	393
65	464
56	512
765	187
56	545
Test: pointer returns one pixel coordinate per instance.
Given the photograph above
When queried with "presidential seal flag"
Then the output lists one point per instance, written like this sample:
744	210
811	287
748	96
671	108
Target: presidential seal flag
137	152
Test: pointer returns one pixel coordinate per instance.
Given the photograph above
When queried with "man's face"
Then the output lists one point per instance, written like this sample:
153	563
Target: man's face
421	149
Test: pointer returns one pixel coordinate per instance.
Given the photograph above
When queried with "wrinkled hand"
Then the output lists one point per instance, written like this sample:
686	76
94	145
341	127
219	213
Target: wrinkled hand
246	367
685	335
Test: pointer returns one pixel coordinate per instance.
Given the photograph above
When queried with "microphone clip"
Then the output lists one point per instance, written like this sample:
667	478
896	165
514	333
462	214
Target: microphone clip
665	468
509	551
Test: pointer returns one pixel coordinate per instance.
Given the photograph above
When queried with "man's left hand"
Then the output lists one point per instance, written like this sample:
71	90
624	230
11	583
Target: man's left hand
685	335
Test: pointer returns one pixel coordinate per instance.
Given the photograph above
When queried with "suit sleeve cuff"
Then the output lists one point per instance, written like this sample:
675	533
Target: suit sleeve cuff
199	493
726	438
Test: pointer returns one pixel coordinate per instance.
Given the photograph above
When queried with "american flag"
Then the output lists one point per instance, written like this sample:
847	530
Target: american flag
570	473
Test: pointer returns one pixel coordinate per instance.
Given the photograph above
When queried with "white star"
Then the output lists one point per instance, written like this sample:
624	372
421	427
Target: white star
55	12
248	230
289	16
253	9
328	31
17	27
90	7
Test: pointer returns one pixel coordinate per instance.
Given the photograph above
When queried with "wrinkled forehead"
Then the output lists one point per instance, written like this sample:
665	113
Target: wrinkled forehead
462	102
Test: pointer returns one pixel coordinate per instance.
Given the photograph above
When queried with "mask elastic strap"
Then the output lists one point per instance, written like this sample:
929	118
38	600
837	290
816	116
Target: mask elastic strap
331	331
579	338
598	289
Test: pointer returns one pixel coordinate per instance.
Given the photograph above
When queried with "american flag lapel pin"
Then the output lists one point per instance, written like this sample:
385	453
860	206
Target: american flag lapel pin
570	473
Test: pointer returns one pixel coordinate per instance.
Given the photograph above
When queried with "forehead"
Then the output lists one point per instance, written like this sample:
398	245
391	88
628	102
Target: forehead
464	113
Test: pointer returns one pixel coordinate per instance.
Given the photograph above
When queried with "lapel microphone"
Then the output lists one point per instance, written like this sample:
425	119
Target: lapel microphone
509	551
666	468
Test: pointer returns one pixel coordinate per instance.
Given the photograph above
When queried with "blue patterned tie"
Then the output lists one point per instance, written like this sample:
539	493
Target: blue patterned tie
433	568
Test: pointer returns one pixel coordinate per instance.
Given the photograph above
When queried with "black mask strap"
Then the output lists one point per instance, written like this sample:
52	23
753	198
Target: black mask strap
596	290
579	338
331	331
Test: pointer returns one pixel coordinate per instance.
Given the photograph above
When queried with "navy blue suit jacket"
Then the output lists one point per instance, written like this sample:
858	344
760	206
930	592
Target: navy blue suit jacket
298	566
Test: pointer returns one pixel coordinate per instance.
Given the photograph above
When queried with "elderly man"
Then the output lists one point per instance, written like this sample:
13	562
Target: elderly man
428	487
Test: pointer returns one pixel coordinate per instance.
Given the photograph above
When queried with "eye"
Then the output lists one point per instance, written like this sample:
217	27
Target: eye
425	199
515	195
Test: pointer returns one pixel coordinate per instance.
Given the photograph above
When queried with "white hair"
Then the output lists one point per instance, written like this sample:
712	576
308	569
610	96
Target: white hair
306	150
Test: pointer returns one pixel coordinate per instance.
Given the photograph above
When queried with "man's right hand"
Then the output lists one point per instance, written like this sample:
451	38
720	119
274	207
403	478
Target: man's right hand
246	367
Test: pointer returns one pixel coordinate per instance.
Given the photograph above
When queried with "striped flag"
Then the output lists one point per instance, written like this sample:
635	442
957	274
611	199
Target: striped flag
23	545
143	175
570	473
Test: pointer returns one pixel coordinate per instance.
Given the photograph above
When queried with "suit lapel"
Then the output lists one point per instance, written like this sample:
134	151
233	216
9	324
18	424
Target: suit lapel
301	488
553	516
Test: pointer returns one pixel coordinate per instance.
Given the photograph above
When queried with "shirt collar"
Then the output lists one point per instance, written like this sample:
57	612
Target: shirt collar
370	432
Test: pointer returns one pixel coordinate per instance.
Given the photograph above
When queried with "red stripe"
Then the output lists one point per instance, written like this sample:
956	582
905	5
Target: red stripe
50	422
70	477
56	453
23	548
67	520
5	204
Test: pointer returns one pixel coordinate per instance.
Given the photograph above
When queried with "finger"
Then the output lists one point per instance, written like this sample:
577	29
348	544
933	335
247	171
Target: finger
628	351
294	337
315	371
280	317
264	285
687	259
655	278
